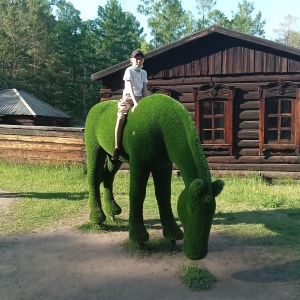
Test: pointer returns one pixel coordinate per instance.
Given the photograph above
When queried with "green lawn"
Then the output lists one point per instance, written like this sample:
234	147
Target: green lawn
48	195
249	211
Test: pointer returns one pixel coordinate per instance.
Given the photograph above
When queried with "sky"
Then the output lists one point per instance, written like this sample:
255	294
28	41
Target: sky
273	11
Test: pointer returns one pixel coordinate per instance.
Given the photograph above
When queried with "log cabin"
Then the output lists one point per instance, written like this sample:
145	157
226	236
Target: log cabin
242	91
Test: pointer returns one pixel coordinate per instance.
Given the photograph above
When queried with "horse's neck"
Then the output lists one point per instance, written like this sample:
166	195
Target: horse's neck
189	157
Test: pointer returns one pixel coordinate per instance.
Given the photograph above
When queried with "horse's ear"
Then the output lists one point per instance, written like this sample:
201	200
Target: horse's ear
197	187
217	187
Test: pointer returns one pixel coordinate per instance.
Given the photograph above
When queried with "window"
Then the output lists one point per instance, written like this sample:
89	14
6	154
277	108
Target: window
279	118
212	121
213	116
279	121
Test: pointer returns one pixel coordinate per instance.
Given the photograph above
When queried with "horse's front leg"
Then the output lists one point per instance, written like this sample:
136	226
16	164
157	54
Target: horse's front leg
138	183
162	183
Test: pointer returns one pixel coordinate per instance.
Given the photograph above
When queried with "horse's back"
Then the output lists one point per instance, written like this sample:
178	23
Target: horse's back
100	124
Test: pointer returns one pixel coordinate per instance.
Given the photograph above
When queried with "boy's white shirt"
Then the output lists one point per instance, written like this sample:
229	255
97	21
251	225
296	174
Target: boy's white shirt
137	80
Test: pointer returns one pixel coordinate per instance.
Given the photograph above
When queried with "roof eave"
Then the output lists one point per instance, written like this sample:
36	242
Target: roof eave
199	34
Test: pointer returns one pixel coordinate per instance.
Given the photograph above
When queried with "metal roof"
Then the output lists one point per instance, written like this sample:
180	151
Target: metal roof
15	102
200	34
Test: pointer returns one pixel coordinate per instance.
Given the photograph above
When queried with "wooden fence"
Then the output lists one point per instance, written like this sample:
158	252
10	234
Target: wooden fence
42	144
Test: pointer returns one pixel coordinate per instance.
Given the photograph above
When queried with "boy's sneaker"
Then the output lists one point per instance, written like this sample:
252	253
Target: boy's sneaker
116	154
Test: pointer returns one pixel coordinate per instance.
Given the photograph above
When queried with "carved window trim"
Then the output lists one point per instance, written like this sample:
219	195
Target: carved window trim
278	91
105	94
216	92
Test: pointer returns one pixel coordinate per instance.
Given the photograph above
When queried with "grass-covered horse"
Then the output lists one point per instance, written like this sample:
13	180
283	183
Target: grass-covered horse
157	134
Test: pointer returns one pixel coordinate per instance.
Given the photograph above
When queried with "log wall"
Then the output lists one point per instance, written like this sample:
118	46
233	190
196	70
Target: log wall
59	145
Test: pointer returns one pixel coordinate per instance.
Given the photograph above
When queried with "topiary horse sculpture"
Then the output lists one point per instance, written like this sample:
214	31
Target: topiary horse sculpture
157	134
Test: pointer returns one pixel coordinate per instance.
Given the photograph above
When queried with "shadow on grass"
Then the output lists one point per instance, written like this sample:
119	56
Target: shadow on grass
53	196
119	224
154	245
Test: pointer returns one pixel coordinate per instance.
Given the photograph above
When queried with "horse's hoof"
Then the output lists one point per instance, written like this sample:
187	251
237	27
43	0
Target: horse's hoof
97	217
173	243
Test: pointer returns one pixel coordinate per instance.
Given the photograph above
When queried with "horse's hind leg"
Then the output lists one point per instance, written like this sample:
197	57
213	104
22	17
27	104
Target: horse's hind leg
95	168
111	207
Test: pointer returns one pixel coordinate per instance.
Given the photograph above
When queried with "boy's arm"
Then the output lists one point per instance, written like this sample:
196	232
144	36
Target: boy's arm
129	88
145	90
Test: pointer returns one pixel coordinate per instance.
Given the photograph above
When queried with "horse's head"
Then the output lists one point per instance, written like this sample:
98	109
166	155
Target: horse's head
196	208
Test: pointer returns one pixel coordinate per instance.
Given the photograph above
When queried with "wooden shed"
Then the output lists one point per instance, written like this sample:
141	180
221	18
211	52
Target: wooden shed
20	108
242	91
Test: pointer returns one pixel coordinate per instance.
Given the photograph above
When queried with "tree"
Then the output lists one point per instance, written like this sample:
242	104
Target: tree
216	17
76	59
167	20
286	34
25	34
204	7
242	21
116	34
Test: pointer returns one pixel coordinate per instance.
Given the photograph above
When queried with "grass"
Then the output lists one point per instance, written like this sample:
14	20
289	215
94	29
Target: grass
249	211
195	277
53	195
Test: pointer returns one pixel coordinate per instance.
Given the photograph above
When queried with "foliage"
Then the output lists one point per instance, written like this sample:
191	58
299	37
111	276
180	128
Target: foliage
25	34
242	21
167	20
197	278
286	34
204	7
216	17
116	34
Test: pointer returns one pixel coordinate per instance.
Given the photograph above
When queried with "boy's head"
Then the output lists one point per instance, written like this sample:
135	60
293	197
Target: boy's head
137	58
137	52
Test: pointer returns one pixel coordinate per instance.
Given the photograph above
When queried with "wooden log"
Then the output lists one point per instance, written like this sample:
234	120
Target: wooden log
41	139
247	152
189	106
248	143
32	132
210	153
256	167
249	115
269	174
251	105
254	159
24	160
262	79
40	146
250	134
35	154
247	125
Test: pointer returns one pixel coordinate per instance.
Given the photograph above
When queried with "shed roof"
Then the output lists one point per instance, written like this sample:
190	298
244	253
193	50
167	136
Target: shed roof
16	102
200	34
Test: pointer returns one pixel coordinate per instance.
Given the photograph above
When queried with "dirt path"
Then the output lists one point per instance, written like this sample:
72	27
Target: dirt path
68	264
